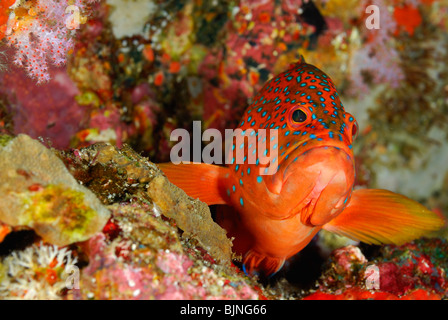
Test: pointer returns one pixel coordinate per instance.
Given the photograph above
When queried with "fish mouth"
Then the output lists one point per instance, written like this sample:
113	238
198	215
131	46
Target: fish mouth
321	178
319	142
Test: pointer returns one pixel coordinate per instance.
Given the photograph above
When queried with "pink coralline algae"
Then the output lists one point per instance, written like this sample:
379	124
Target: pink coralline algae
115	272
181	283
419	264
41	31
48	111
416	270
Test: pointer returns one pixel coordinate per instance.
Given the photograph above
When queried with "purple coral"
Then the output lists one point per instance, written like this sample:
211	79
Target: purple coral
378	55
44	34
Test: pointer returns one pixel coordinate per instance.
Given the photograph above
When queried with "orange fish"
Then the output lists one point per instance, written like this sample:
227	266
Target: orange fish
274	216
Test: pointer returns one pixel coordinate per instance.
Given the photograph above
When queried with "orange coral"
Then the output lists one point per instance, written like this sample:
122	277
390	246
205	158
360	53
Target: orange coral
148	53
158	79
175	67
408	18
4	15
264	17
4	231
254	75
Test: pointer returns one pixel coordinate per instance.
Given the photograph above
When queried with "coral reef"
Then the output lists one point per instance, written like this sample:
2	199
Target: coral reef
38	272
158	243
115	80
416	270
153	264
179	62
123	175
49	111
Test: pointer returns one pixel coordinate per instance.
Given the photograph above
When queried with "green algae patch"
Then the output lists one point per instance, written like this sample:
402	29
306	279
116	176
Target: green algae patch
61	206
3	271
4	139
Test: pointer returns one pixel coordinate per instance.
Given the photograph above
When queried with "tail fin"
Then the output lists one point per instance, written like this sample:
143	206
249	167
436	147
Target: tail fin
198	180
377	216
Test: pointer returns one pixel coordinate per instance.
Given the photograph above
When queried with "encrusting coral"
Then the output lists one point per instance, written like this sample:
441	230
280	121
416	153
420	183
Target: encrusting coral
123	175
38	192
416	270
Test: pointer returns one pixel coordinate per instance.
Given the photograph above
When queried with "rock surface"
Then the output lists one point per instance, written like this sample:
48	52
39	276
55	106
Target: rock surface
38	192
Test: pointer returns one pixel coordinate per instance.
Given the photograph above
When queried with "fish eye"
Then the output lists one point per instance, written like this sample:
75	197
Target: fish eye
355	129
298	116
352	125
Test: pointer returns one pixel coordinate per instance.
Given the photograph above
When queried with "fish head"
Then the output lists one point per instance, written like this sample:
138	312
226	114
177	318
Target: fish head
310	151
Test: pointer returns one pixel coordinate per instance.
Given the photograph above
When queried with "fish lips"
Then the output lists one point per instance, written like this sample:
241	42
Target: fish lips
320	181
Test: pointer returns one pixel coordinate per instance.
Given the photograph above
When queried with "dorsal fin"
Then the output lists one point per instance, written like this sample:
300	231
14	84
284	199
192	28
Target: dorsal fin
299	62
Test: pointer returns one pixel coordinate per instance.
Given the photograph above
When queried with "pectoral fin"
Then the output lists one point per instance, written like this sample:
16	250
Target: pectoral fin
378	216
256	263
198	180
